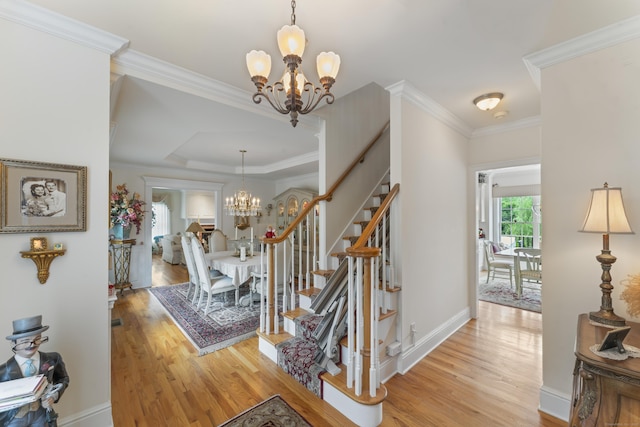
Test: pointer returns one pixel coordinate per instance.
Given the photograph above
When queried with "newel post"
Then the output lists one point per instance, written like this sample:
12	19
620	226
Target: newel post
367	254
271	288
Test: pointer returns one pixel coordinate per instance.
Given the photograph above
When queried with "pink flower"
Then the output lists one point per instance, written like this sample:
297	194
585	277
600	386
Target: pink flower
126	211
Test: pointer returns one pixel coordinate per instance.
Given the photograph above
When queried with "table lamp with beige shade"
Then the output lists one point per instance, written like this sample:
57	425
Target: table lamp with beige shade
606	215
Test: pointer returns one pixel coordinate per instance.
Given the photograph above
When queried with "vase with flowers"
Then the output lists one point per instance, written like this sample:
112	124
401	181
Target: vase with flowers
125	211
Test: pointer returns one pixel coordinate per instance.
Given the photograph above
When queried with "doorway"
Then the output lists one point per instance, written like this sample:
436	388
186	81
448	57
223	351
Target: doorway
508	218
174	184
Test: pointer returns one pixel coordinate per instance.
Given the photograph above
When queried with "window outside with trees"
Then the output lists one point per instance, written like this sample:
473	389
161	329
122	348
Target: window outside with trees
520	225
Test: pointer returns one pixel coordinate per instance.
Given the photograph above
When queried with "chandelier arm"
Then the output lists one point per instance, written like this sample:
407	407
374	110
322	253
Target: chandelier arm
312	104
274	100
308	97
277	91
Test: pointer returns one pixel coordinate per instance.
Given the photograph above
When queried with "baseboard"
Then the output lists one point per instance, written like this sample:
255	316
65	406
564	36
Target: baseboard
388	368
98	416
554	403
411	356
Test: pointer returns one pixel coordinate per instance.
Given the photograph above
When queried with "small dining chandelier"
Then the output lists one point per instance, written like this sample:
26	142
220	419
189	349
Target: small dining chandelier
286	95
242	203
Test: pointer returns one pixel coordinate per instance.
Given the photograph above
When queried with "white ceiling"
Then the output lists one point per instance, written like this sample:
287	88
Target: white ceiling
449	50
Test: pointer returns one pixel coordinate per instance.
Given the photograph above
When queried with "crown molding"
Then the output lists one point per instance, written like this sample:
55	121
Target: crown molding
145	67
602	38
507	127
409	92
262	170
41	19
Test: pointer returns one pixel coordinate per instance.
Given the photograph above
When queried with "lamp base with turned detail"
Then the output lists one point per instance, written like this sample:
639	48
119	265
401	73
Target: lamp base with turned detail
607	317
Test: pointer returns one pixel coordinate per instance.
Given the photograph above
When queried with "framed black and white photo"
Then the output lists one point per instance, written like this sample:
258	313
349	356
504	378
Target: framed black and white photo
41	197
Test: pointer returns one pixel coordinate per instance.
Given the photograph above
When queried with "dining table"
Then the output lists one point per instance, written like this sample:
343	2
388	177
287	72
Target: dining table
230	264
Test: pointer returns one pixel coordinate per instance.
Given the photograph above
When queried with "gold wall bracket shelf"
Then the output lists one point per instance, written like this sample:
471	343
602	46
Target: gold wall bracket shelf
42	259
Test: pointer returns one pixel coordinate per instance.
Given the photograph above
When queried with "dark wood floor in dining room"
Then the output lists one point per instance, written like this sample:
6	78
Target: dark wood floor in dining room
487	374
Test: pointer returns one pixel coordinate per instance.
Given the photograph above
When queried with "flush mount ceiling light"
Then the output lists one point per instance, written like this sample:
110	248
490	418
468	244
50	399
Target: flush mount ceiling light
488	101
293	94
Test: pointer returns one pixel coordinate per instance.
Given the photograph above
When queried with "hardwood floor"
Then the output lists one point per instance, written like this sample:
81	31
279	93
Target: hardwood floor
487	374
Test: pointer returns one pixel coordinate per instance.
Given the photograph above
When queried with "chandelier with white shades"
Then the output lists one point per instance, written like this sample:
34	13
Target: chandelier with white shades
242	203
304	97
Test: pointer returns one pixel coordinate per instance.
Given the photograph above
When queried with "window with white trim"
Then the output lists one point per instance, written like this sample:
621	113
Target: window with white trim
520	225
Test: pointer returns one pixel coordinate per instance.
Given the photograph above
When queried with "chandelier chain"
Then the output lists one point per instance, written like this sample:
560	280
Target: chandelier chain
243	151
293	12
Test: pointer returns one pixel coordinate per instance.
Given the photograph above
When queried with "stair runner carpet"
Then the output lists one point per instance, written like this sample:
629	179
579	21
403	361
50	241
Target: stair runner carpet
296	356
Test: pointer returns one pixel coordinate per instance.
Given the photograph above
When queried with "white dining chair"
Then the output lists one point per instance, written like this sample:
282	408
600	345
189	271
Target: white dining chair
217	241
495	265
191	268
531	259
209	285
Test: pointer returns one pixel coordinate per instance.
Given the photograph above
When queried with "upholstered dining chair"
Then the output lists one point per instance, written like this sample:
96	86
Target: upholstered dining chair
191	268
217	241
497	265
209	284
529	266
282	274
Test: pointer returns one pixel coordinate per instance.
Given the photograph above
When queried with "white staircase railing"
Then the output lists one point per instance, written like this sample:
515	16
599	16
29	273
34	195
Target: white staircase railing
368	272
290	261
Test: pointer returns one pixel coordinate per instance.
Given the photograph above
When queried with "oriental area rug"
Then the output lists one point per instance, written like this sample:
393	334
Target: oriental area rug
499	291
273	412
224	325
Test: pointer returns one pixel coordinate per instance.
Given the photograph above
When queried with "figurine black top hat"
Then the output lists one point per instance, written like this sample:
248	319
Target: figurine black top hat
27	327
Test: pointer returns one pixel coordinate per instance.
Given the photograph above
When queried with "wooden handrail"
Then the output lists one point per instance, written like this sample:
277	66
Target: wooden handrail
359	248
329	194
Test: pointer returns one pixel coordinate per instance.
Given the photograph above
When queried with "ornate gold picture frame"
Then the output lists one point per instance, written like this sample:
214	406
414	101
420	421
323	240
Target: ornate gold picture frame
42	197
39	244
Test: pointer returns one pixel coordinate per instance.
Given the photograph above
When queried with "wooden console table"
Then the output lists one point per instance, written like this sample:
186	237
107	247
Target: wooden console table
606	392
121	252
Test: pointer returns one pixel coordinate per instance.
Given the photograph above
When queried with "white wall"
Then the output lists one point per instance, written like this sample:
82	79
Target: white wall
429	160
351	124
511	147
591	107
56	109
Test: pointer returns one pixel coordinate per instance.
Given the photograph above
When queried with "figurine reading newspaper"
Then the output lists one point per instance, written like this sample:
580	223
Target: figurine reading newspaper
28	361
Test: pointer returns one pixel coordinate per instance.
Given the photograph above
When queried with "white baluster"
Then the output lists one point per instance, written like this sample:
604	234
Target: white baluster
350	326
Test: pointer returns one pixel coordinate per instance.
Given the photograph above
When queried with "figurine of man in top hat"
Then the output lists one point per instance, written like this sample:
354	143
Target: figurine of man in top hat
28	361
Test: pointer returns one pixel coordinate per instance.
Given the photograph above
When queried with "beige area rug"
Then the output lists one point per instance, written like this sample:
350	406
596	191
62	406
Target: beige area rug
500	291
273	412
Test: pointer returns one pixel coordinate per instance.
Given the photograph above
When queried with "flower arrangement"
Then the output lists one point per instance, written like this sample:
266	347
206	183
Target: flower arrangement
124	210
631	294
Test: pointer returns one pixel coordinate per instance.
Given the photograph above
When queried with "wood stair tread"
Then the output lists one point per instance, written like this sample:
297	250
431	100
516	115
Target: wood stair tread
309	291
295	313
325	273
340	382
274	339
389	313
